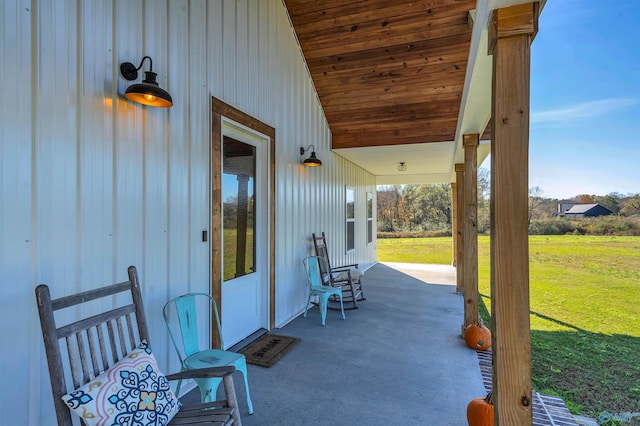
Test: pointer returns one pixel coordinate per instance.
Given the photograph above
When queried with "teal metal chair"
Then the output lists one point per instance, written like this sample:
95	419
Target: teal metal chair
183	311
319	285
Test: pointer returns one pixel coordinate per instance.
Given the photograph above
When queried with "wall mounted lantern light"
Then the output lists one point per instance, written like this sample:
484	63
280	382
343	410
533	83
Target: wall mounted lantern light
402	166
148	92
312	161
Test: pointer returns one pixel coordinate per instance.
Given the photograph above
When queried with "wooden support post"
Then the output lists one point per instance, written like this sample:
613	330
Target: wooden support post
454	225
459	228
470	232
510	35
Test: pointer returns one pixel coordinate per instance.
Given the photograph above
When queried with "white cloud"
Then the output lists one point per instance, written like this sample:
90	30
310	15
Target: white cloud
581	110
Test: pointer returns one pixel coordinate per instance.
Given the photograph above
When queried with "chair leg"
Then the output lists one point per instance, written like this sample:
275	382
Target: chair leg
323	307
354	299
306	308
361	290
179	384
208	389
231	400
341	305
241	365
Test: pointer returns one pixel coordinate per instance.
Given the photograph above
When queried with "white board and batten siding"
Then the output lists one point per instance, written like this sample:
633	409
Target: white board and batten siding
92	183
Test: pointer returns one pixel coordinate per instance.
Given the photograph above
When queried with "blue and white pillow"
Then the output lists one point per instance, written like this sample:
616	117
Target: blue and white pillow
132	392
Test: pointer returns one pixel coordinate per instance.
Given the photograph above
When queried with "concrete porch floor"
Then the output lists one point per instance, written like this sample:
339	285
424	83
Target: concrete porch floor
399	359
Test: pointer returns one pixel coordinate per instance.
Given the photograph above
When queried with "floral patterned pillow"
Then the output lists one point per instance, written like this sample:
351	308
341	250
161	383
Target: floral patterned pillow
132	392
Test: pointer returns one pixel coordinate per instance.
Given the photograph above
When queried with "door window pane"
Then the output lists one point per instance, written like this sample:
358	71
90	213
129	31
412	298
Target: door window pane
238	209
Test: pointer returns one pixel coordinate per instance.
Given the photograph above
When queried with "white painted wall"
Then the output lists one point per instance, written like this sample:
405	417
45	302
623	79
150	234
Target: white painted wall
91	183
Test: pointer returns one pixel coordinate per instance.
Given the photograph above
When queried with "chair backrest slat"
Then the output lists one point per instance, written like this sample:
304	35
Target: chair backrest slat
83	354
123	344
132	337
103	348
76	379
314	266
180	315
186	310
313	273
93	351
112	341
320	244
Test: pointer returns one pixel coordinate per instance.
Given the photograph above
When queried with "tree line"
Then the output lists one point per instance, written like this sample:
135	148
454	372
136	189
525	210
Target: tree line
426	209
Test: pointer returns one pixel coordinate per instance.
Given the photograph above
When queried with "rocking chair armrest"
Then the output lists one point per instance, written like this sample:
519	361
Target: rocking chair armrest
202	373
344	267
339	271
344	281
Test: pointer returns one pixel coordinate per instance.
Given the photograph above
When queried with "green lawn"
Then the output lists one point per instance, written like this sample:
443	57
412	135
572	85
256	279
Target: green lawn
585	313
230	253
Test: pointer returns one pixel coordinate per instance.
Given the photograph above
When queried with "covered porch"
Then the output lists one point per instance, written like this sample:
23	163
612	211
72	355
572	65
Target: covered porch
399	359
100	182
401	104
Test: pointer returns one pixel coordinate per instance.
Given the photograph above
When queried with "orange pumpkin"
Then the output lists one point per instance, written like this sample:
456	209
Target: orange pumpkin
480	411
478	336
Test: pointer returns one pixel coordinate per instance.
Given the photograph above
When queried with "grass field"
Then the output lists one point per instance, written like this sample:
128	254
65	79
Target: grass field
585	314
230	253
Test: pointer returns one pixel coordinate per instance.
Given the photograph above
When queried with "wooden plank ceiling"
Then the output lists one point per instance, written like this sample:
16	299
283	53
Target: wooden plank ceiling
387	72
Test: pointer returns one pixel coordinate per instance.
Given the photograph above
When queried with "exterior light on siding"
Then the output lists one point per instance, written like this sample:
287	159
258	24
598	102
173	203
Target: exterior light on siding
312	161
402	167
148	92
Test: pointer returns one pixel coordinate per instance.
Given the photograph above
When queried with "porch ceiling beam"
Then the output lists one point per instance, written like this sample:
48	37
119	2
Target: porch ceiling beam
417	111
512	31
475	107
391	124
384	138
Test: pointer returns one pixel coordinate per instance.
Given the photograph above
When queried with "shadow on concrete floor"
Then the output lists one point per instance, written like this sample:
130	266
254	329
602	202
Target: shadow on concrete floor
398	359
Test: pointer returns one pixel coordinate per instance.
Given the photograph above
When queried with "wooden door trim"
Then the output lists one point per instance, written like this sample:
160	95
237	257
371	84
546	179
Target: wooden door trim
221	109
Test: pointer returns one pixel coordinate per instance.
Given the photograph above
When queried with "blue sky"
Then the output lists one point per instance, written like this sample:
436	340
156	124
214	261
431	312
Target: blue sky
585	98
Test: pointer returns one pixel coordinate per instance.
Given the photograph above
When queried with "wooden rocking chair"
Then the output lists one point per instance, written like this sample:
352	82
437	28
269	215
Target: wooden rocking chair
108	341
347	277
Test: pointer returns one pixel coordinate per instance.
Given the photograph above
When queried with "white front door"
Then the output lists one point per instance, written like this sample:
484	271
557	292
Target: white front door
245	233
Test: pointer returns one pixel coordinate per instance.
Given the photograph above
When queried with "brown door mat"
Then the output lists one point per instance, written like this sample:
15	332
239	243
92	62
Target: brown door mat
268	349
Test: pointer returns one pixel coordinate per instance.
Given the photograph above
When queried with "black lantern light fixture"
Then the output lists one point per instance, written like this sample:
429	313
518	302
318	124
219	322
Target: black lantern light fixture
402	166
312	161
148	92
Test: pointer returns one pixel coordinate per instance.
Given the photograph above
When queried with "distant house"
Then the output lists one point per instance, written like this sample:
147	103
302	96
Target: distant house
579	211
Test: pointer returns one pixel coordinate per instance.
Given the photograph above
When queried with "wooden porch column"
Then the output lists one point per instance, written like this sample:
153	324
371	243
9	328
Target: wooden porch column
470	232
510	34
459	228
454	225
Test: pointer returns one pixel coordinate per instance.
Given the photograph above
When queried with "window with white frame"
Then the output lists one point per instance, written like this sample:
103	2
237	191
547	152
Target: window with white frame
351	218
369	218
